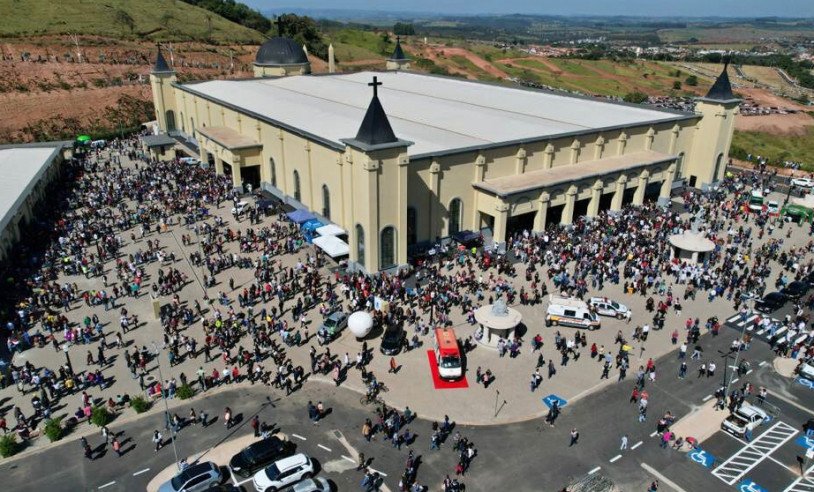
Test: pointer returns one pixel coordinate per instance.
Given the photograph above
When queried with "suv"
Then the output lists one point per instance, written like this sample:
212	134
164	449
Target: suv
746	417
332	325
283	473
318	484
259	454
795	290
607	307
770	302
195	478
393	340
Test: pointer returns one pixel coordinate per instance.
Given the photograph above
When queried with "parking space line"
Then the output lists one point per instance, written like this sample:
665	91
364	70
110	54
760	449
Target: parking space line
594	470
637	445
377	471
652	434
140	472
108	484
349	458
735	380
707	398
762	363
770	458
324	447
615	458
662	478
757	450
238	484
299	437
749	372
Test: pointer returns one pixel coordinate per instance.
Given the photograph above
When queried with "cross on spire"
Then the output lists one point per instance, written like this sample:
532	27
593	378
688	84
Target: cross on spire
375	84
398	39
279	23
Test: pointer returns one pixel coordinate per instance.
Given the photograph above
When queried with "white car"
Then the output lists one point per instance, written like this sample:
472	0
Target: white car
806	369
803	182
283	473
747	417
239	208
607	307
773	207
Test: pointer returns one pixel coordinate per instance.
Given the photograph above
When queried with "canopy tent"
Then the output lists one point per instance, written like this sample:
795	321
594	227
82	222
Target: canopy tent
308	229
332	246
300	216
797	212
331	230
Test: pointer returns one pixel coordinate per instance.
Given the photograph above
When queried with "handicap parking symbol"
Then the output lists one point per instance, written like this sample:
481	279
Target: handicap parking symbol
702	458
552	398
747	485
805	382
805	441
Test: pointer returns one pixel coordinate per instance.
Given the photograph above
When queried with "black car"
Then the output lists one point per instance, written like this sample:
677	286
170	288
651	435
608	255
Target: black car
258	455
795	290
770	302
393	339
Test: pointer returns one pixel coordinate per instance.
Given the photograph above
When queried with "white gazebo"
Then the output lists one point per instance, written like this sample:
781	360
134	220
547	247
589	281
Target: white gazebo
497	321
690	246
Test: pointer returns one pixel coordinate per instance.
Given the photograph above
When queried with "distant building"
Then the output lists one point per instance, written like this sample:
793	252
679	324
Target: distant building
427	157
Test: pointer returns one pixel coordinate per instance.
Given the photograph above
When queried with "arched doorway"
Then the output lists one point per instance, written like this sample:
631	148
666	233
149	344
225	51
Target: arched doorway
297	186
170	114
360	244
273	172
455	214
412	233
326	202
387	248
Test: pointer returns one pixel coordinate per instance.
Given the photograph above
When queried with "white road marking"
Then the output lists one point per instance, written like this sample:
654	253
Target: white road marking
733	318
377	471
749	372
615	458
349	458
707	398
323	447
238	484
299	437
734	380
662	478
762	363
594	470
140	472
637	445
108	484
653	433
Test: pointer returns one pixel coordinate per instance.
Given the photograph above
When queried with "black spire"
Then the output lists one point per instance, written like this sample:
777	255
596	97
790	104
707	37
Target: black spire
160	63
279	23
721	90
375	128
398	53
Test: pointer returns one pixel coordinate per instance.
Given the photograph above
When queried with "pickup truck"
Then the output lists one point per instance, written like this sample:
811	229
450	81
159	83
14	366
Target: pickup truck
746	417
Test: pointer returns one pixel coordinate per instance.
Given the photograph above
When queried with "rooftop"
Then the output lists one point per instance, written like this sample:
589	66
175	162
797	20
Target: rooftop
21	167
438	114
227	137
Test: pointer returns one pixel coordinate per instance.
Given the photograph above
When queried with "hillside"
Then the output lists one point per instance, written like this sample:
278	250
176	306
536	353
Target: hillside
157	20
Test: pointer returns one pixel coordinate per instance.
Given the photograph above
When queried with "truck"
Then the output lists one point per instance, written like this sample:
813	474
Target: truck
747	417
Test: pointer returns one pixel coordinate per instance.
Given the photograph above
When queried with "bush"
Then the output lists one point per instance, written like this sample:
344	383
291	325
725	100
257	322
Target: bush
100	417
677	85
8	445
692	80
139	404
184	392
53	429
635	97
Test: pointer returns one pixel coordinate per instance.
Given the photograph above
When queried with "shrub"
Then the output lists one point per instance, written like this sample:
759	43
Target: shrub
185	392
8	445
635	97
100	417
139	404
692	80
677	85
53	429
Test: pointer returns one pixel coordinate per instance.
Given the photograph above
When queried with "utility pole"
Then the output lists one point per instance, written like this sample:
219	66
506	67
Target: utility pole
156	353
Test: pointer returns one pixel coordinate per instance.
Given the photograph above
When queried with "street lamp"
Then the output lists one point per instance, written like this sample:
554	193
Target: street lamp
65	349
156	353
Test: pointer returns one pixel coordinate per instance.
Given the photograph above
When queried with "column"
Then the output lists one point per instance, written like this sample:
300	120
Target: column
520	162
435	200
638	197
202	152
218	165
542	212
596	195
568	210
237	182
667	186
501	218
619	194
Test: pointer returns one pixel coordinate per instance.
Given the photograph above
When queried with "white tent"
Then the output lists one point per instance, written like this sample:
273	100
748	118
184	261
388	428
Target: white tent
330	230
332	245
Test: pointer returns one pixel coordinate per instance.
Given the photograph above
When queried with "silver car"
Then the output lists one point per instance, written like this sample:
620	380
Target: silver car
318	484
195	478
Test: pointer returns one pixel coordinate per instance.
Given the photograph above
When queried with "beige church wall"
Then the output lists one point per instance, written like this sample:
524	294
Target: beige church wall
326	171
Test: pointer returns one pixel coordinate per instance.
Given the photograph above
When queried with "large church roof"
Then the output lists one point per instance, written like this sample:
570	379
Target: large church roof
439	114
280	51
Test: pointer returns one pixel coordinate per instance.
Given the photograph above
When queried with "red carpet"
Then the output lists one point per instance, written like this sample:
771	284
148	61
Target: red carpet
443	383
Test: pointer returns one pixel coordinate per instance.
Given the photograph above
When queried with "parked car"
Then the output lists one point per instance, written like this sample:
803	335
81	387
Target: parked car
770	302
803	182
332	326
773	208
805	369
196	478
393	340
259	454
607	307
239	208
318	484
795	290
570	312
283	473
747	417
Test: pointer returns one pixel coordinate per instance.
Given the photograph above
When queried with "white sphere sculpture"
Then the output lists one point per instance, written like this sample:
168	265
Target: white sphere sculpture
360	323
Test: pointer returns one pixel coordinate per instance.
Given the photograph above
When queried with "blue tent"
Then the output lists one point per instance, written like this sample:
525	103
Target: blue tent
300	216
308	229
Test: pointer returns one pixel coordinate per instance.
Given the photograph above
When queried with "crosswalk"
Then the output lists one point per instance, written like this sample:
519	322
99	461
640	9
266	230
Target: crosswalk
749	456
774	329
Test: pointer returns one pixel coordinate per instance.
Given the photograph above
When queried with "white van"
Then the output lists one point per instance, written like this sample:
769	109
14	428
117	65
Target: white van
570	312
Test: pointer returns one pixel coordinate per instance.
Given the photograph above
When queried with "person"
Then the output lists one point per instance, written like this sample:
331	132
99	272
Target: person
106	434
654	486
227	418
360	461
158	440
117	447
624	443
574	436
256	425
393	365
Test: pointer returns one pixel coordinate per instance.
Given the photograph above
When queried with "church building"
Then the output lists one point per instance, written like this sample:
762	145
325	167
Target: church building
398	159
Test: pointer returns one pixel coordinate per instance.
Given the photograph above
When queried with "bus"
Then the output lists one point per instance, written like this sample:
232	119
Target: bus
448	354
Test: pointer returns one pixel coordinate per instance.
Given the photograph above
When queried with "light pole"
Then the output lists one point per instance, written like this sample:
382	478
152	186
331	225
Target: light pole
156	353
65	349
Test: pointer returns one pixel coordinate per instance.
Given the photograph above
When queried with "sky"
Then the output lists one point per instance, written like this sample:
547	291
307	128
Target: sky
649	8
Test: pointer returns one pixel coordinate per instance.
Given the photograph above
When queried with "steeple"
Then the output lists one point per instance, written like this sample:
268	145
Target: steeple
398	53
160	63
375	131
398	60
721	90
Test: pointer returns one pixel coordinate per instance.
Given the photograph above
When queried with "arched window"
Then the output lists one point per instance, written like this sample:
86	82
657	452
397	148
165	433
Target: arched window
412	235
273	172
718	162
326	202
183	123
170	114
296	186
360	244
387	248
192	126
455	214
679	166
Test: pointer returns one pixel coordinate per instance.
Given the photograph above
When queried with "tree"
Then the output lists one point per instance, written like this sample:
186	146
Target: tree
139	404
124	19
692	81
185	392
635	97
304	31
403	29
53	429
8	445
383	44
676	85
100	417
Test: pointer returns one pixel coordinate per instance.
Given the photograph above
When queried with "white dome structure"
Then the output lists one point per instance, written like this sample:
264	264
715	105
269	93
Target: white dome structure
360	323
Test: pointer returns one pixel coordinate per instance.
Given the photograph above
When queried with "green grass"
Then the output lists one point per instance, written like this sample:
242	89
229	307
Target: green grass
464	63
348	53
152	19
777	147
366	40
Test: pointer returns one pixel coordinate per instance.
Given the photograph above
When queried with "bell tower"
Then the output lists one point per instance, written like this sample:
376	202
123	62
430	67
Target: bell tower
161	79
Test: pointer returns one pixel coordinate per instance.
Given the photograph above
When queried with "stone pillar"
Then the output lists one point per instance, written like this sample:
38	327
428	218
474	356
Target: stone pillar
435	183
638	197
548	156
667	186
520	162
237	182
542	212
619	194
218	165
568	210
202	152
596	196
501	218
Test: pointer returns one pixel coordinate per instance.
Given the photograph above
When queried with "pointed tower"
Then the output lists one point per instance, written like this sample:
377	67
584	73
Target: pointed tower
398	60
713	133
377	176
331	59
161	79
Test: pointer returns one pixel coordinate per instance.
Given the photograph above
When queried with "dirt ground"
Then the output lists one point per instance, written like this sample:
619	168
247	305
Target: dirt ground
776	124
766	98
434	52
